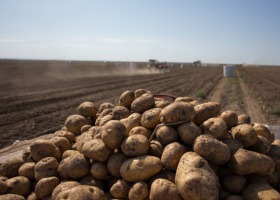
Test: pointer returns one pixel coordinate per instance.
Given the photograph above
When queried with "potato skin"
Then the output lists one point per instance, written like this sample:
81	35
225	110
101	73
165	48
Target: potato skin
139	191
3	185
18	185
156	148
27	170
262	146
150	118
166	135
171	155
141	130
260	191
262	130
75	166
211	149
87	109
45	186
10	167
135	145
114	164
195	179
140	168
215	127
230	118
244	119
126	99
120	112
245	134
120	189
132	121
274	153
244	162
140	92
62	143
43	148
164	189
113	133
46	167
81	192
176	112
205	111
96	150
143	103
188	132
11	197
63	186
234	184
67	134
74	123
99	170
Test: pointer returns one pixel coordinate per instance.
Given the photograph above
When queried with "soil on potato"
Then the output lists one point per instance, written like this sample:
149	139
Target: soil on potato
37	96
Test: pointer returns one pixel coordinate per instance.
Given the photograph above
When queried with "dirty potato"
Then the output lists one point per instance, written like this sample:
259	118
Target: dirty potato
126	99
74	123
87	109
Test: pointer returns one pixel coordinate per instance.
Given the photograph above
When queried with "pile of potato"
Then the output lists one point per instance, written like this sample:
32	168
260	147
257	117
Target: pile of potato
148	148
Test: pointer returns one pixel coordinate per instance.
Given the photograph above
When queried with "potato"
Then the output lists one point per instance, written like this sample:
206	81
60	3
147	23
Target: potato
87	109
132	121
166	135
245	134
205	111
262	146
26	155
105	112
234	184
81	192
91	181
150	118
99	170
139	191
164	189
126	99
215	127
27	170
156	148
83	138
274	153
233	145
140	130
211	149
140	92
183	99
46	167
9	168
105	119
3	185
244	162
135	145
11	197
120	112
19	185
96	150
162	103
140	168
262	130
43	148
62	143
105	105
74	123
114	164
69	153
195	179
67	134
260	191
75	166
120	189
165	174
45	186
85	128
62	187
113	133
172	154
230	118
176	112
143	103
244	119
188	132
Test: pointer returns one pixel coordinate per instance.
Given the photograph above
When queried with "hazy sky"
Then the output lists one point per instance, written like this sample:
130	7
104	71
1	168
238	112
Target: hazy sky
227	31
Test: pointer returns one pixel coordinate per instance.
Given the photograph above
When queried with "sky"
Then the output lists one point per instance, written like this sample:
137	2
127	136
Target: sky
213	31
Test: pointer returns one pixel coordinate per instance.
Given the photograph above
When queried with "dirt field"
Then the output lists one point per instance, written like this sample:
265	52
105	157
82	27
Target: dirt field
36	96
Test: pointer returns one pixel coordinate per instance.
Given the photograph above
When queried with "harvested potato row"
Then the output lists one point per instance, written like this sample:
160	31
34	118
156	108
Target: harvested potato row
148	147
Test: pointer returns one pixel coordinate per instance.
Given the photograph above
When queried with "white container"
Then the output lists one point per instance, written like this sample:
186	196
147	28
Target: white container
229	71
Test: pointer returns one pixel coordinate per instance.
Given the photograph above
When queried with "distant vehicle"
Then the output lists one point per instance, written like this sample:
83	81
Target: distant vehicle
156	65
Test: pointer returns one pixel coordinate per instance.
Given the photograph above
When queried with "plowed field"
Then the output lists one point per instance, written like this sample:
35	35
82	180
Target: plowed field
36	102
